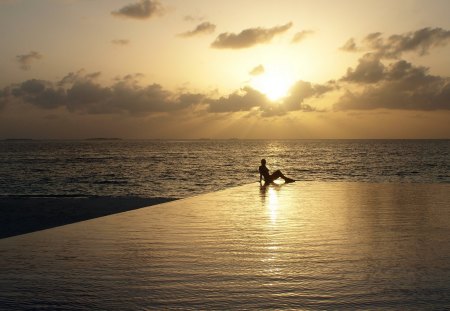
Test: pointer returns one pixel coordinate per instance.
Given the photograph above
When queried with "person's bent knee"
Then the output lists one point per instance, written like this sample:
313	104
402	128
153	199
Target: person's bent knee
277	174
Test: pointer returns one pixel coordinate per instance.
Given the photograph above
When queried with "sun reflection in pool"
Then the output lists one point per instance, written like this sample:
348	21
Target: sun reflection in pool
273	204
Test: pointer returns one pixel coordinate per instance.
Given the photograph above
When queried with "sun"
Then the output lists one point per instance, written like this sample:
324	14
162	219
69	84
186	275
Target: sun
274	85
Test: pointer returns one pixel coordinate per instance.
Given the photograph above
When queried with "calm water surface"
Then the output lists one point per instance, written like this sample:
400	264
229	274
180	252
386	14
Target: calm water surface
308	245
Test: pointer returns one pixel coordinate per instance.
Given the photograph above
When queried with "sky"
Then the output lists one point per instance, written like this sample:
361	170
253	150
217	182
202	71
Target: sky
256	69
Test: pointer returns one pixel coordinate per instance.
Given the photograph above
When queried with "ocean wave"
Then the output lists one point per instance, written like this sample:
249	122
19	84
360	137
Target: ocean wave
185	168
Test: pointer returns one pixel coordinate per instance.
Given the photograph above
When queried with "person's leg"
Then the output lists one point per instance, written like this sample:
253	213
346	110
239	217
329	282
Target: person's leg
278	174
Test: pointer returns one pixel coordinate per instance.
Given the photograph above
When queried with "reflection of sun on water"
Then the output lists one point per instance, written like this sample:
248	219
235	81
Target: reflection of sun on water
271	266
273	204
274	85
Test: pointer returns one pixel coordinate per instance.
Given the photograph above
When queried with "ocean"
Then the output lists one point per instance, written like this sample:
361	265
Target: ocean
378	242
183	168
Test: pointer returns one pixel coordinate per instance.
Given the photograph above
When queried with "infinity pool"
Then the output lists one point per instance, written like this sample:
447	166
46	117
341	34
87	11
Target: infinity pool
305	245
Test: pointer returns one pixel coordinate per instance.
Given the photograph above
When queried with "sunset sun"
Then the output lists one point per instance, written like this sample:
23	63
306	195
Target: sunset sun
274	85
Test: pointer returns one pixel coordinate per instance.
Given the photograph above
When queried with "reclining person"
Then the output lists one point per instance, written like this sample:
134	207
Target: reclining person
269	178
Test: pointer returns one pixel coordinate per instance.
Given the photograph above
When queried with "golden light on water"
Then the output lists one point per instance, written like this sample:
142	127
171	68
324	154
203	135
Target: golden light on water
273	204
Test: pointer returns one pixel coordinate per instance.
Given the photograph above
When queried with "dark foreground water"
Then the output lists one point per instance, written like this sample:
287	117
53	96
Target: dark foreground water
177	169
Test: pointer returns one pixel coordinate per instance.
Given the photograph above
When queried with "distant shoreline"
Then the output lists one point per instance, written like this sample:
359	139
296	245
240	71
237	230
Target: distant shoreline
103	138
218	139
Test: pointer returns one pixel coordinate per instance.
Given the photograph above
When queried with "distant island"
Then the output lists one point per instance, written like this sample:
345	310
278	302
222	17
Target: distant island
103	138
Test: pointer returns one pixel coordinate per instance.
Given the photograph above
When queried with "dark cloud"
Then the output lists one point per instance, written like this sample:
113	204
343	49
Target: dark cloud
127	98
243	100
248	37
143	9
303	90
374	83
79	92
120	42
419	41
249	99
350	46
39	93
300	36
203	28
93	75
258	70
299	92
4	97
131	78
399	85
80	75
25	60
369	70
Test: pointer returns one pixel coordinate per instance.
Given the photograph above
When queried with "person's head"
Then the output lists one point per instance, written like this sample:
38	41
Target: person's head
263	162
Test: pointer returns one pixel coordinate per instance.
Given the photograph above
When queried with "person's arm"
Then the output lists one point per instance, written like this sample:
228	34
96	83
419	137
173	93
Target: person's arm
260	177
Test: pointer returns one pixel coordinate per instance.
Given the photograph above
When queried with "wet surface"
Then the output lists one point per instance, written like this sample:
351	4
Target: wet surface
303	245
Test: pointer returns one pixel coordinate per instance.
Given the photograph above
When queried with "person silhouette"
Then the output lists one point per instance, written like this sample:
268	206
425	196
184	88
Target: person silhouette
269	178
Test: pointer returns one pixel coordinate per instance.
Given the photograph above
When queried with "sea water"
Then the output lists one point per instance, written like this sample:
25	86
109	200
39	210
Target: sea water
182	168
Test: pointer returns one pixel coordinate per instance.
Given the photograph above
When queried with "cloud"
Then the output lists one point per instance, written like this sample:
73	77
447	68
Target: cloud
303	90
25	60
248	37
124	97
258	70
120	42
131	78
369	70
143	9
249	99
374	83
350	46
300	36
399	85
39	93
79	93
4	97
192	18
243	100
420	41
127	98
203	28
80	75
299	93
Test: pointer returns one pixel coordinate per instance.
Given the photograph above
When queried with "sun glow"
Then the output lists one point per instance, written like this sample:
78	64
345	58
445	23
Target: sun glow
274	85
273	205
